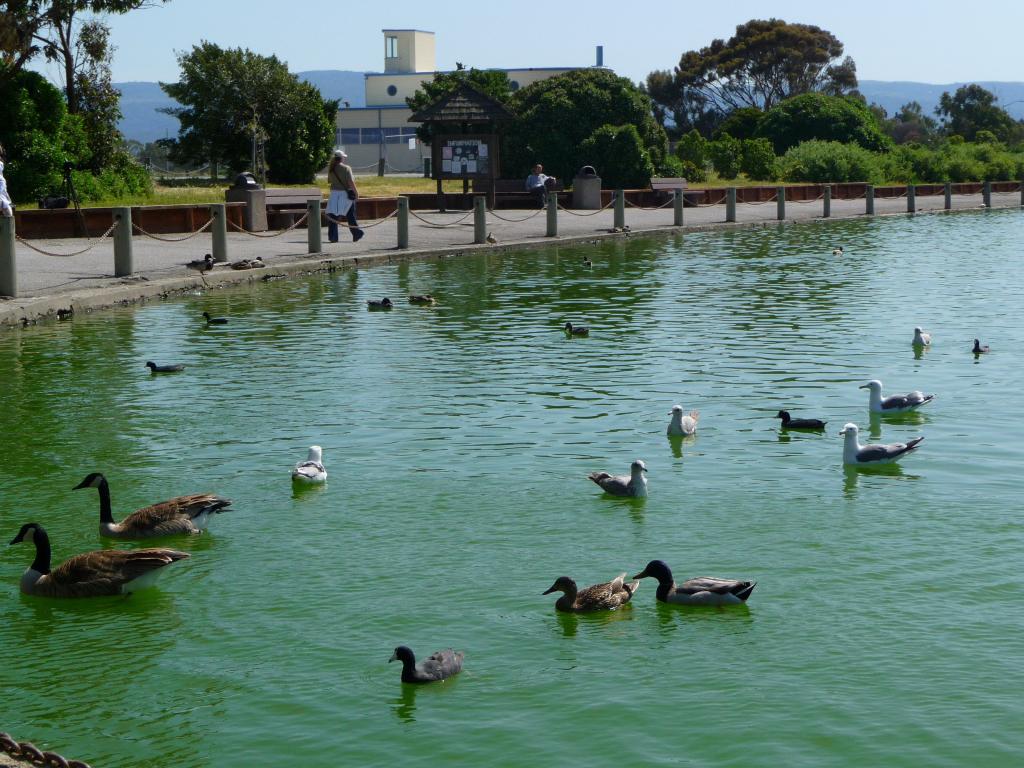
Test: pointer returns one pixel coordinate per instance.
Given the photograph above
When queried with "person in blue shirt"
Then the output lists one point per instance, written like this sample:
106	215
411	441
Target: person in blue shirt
538	183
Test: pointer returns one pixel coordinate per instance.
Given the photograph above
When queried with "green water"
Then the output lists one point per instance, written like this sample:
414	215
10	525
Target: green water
886	626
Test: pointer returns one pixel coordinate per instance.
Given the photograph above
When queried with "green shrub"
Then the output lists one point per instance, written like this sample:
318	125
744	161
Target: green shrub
726	156
759	160
618	154
826	118
962	164
693	148
693	173
741	123
830	161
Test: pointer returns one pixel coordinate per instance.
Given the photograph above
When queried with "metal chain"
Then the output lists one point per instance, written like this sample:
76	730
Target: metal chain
440	226
244	231
102	237
173	239
28	751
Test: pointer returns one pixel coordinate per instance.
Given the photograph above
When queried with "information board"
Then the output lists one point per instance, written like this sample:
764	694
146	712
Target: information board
460	157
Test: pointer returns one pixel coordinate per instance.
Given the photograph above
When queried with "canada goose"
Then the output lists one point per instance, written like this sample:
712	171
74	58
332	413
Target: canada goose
215	320
869	455
154	368
384	303
599	597
180	515
681	425
894	403
92	574
438	666
576	330
634	485
312	469
788	422
703	590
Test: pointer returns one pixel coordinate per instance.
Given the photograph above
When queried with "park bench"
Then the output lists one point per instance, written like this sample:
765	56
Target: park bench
285	206
667	184
511	193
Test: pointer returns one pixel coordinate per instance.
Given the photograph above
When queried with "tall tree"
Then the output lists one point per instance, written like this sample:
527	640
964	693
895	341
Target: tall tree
99	102
493	82
972	109
765	62
233	98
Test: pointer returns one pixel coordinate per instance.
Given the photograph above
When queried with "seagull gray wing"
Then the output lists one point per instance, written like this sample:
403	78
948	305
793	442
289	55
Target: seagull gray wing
878	452
615	485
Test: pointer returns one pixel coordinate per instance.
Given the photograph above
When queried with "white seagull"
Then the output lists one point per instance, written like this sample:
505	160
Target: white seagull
894	403
921	339
312	469
867	455
619	485
682	425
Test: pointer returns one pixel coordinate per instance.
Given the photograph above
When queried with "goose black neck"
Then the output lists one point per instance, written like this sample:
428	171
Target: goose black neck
665	586
106	515
42	562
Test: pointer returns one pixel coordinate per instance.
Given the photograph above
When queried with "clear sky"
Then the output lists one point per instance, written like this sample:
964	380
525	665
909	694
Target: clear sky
936	41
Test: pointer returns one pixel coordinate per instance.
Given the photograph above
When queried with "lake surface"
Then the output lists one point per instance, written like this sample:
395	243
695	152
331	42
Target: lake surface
887	621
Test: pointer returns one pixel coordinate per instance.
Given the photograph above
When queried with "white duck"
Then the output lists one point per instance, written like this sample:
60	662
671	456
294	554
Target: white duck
682	425
868	455
894	403
312	469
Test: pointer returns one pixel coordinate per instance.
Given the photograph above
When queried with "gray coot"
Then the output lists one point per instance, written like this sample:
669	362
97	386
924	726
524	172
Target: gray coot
789	422
439	666
154	368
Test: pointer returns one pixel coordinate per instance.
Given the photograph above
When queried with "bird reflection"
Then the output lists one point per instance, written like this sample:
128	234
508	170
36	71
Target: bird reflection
405	705
852	474
569	622
305	490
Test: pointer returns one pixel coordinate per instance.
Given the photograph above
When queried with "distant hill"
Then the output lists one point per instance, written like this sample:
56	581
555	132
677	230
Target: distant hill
142	121
140	102
893	95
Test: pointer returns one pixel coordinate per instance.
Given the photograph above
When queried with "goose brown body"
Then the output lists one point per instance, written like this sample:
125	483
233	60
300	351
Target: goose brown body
598	597
186	515
93	574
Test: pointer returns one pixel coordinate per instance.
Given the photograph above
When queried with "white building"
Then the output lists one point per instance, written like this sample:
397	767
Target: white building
381	130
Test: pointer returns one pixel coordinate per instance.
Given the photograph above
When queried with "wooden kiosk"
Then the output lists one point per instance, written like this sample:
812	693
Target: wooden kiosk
464	142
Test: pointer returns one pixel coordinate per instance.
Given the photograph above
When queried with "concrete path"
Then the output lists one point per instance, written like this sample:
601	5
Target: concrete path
56	286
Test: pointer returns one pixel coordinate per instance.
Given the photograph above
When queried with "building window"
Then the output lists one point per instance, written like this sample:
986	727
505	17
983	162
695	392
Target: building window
392	90
349	136
399	135
513	85
390	47
371	135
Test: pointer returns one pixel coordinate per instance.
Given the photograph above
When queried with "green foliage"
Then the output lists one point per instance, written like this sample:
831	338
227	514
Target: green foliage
493	83
830	161
741	123
972	109
618	154
822	117
726	155
910	124
759	160
99	102
555	116
32	134
231	97
693	148
693	173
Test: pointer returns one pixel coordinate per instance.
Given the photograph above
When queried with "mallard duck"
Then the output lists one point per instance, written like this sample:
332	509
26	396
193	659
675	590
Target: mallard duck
423	300
635	485
921	339
680	425
788	422
243	264
203	265
215	320
154	368
440	665
384	303
587	263
92	574
867	455
491	238
981	349
837	251
576	330
180	515
599	597
704	590
312	469
894	403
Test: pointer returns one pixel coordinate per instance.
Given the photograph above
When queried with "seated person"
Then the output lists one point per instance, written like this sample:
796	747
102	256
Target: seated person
538	183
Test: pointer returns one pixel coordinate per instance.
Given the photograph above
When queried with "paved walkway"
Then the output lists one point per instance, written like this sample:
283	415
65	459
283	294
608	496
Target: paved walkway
51	286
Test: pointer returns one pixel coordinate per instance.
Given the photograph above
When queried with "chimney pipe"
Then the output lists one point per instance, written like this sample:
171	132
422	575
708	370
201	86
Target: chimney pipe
600	56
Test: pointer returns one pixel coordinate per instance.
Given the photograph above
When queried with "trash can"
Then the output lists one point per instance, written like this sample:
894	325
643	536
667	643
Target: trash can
586	189
247	190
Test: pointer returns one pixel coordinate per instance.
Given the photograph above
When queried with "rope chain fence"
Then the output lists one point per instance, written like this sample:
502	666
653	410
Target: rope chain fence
495	214
244	231
88	248
650	207
25	750
189	236
334	219
774	198
440	226
817	199
592	213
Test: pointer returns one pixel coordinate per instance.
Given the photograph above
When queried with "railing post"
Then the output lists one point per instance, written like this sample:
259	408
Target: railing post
1022	193
780	203
403	221
479	219
313	232
677	207
730	204
826	202
986	193
948	191
911	198
552	230
219	232
620	210
123	266
8	266
869	200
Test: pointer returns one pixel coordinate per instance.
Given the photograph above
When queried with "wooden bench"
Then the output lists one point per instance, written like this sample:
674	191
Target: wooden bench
285	206
511	193
668	184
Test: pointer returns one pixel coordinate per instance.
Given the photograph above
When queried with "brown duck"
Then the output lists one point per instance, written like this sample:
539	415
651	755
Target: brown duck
598	597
